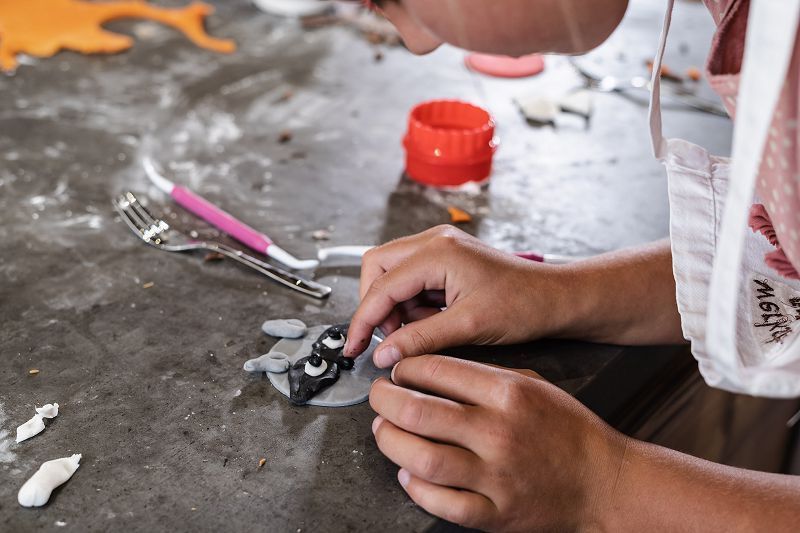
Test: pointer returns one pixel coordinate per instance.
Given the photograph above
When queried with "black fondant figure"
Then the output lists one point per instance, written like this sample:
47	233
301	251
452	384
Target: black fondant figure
302	386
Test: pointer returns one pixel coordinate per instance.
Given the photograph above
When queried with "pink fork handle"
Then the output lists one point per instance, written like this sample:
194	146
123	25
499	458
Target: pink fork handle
222	220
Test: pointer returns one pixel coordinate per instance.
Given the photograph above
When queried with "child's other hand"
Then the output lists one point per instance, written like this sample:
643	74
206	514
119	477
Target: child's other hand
489	448
490	297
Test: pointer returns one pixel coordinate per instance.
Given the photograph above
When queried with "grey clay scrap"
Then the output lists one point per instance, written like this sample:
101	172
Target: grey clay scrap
274	362
287	328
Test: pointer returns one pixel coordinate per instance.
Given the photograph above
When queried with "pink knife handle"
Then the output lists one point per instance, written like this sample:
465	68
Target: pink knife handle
222	220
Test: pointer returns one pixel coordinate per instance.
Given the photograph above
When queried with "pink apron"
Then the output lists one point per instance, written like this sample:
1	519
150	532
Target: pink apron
741	318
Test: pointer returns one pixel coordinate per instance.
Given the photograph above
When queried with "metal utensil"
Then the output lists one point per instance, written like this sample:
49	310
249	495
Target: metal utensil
212	214
157	233
612	84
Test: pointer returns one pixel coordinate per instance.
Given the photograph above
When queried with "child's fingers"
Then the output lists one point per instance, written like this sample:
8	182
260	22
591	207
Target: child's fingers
460	507
436	332
421	306
379	260
392	322
382	259
431	299
440	419
414	309
418	313
437	463
414	275
463	381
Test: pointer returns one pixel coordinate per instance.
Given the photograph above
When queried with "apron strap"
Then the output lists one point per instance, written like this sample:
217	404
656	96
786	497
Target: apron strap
656	131
769	45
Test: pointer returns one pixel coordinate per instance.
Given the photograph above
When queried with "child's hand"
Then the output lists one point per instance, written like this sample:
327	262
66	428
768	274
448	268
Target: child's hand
491	449
490	297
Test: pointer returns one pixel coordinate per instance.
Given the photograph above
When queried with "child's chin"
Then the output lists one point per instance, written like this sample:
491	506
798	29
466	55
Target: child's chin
421	50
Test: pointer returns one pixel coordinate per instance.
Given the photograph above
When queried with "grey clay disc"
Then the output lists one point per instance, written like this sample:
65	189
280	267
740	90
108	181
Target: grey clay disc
353	385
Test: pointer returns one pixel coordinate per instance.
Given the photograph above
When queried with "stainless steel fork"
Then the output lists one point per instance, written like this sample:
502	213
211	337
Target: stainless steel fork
156	232
611	84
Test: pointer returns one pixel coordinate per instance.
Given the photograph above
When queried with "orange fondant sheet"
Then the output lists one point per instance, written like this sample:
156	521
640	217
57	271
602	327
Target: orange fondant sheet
43	27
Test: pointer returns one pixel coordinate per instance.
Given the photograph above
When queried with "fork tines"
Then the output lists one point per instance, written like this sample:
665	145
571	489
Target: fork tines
139	219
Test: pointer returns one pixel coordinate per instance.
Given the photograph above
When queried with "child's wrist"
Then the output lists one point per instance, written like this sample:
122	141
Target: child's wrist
575	308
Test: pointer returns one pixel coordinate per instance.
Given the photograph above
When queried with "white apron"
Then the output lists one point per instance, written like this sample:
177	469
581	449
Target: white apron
741	317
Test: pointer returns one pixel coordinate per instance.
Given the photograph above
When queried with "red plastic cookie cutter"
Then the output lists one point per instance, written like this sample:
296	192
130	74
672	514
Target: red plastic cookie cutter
449	143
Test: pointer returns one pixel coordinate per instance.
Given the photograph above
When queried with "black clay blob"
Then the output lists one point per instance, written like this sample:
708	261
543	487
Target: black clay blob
302	386
334	333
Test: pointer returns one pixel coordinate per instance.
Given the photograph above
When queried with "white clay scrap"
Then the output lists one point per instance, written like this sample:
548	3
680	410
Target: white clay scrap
31	428
290	328
48	411
35	425
274	362
315	371
538	109
293	8
578	103
36	491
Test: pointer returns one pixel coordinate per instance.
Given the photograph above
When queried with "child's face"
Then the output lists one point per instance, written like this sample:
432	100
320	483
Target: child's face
510	27
417	37
478	25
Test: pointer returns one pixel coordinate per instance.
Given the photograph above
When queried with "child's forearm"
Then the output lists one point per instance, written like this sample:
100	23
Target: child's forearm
660	489
625	297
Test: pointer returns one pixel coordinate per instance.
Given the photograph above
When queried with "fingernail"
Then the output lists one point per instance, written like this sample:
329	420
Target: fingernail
386	356
392	374
347	350
403	477
376	423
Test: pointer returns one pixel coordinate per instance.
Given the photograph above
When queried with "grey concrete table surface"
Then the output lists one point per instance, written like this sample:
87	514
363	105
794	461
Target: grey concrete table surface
149	379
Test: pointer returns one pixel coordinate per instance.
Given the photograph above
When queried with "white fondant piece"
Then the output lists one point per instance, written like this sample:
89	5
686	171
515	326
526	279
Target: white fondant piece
315	371
275	362
31	428
35	425
334	343
578	103
293	8
37	490
289	328
536	108
353	385
49	410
